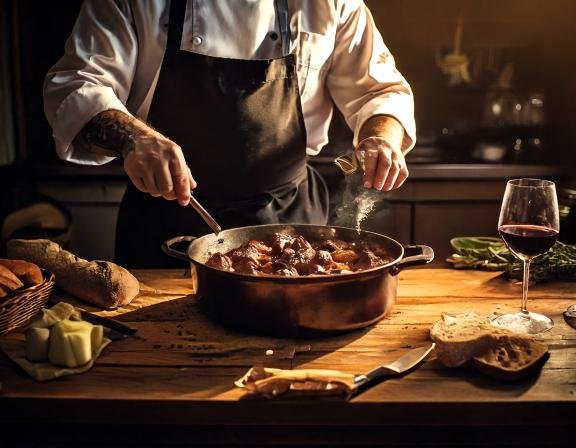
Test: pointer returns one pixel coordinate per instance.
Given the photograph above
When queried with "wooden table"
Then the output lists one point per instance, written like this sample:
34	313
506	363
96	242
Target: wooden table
175	383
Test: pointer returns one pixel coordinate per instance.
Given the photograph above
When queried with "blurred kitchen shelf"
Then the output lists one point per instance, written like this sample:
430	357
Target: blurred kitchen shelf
469	170
438	201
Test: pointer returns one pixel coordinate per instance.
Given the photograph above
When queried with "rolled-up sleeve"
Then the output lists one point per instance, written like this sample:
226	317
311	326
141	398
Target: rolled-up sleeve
95	74
363	79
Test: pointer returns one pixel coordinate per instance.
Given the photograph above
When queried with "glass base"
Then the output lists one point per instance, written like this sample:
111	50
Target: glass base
520	322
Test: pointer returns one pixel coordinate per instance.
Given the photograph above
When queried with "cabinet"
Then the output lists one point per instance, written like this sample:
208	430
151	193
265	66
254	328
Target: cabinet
437	203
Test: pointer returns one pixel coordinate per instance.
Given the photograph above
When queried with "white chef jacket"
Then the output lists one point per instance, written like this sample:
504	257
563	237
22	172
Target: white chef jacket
113	57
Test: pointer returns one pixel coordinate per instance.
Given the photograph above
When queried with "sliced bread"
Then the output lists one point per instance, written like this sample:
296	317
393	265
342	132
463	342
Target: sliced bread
494	351
512	358
461	337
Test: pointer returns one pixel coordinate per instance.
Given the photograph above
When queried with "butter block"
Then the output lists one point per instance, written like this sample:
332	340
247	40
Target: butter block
37	344
72	343
45	318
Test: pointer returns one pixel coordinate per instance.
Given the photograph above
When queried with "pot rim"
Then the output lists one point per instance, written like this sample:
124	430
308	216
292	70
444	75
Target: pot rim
312	278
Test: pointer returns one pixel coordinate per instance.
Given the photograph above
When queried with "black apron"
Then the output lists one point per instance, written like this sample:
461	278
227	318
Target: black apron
240	126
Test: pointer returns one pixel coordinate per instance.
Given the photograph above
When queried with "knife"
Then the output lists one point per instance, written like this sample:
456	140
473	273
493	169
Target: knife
114	329
399	367
117	329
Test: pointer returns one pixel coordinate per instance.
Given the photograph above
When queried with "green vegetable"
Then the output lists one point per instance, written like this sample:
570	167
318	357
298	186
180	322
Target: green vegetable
559	263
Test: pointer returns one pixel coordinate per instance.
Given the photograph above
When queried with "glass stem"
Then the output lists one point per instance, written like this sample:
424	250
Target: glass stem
525	281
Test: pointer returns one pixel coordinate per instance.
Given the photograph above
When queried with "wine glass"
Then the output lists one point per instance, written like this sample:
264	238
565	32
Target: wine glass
529	224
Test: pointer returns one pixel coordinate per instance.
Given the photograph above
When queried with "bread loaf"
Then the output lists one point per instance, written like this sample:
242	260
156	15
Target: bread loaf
495	351
28	273
8	280
101	283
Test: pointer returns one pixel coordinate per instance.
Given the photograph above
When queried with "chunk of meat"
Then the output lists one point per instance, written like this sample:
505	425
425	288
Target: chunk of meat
220	261
300	243
264	251
247	266
268	268
280	241
260	246
323	258
243	252
331	245
367	260
344	256
293	255
288	256
304	260
282	268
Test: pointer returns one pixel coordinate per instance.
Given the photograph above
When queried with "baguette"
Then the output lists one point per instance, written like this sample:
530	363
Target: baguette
494	351
101	283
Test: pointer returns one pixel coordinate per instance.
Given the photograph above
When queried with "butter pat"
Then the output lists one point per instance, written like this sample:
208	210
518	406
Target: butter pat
48	317
73	343
37	344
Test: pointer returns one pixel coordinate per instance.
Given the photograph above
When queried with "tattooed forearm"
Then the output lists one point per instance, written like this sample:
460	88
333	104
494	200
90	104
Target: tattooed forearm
111	133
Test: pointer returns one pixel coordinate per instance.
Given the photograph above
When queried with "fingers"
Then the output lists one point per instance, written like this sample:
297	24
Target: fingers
157	167
384	167
180	180
370	167
193	183
163	177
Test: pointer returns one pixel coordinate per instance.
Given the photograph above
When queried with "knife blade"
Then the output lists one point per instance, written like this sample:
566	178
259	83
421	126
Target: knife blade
402	365
114	329
118	330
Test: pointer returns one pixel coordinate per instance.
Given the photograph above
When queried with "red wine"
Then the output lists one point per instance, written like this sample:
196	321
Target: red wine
528	240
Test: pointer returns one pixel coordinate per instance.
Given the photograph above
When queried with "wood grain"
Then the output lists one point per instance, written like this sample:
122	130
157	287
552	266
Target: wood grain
182	366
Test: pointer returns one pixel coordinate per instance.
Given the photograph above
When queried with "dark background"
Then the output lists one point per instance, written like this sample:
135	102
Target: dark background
538	37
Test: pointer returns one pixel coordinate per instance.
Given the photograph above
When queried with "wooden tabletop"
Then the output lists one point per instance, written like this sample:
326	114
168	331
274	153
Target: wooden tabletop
181	368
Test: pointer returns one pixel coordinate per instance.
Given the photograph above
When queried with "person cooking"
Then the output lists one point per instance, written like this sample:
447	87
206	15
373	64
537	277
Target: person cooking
225	99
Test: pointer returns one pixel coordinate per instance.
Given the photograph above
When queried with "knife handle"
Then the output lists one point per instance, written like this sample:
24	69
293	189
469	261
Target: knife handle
374	375
367	380
107	322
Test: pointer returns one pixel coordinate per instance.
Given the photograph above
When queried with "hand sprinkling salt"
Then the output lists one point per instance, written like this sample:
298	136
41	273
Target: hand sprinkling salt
357	203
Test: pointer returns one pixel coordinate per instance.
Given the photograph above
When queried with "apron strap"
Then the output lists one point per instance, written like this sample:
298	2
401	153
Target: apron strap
176	24
281	7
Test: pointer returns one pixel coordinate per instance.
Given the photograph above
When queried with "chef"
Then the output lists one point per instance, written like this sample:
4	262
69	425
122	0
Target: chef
225	99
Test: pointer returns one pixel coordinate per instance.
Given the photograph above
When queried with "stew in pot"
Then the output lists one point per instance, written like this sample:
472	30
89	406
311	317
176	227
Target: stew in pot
292	255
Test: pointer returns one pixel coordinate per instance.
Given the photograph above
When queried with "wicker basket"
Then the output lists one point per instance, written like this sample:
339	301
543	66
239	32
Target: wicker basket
17	309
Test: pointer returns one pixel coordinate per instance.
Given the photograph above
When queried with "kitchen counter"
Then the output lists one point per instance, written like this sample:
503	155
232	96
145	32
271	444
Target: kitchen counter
177	378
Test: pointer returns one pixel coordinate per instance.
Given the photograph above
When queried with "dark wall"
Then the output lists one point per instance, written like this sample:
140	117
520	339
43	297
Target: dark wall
40	29
537	36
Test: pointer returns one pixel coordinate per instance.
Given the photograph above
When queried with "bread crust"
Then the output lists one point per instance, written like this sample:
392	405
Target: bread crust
9	280
29	273
101	283
512	358
494	351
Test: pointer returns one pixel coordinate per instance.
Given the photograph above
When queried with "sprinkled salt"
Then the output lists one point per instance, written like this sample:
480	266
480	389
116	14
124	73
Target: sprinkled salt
365	203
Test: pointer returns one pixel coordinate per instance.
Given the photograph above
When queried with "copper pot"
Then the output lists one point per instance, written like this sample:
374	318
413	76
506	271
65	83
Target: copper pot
296	306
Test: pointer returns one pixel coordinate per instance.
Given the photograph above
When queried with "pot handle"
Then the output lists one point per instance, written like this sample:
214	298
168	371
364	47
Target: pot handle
168	250
414	256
